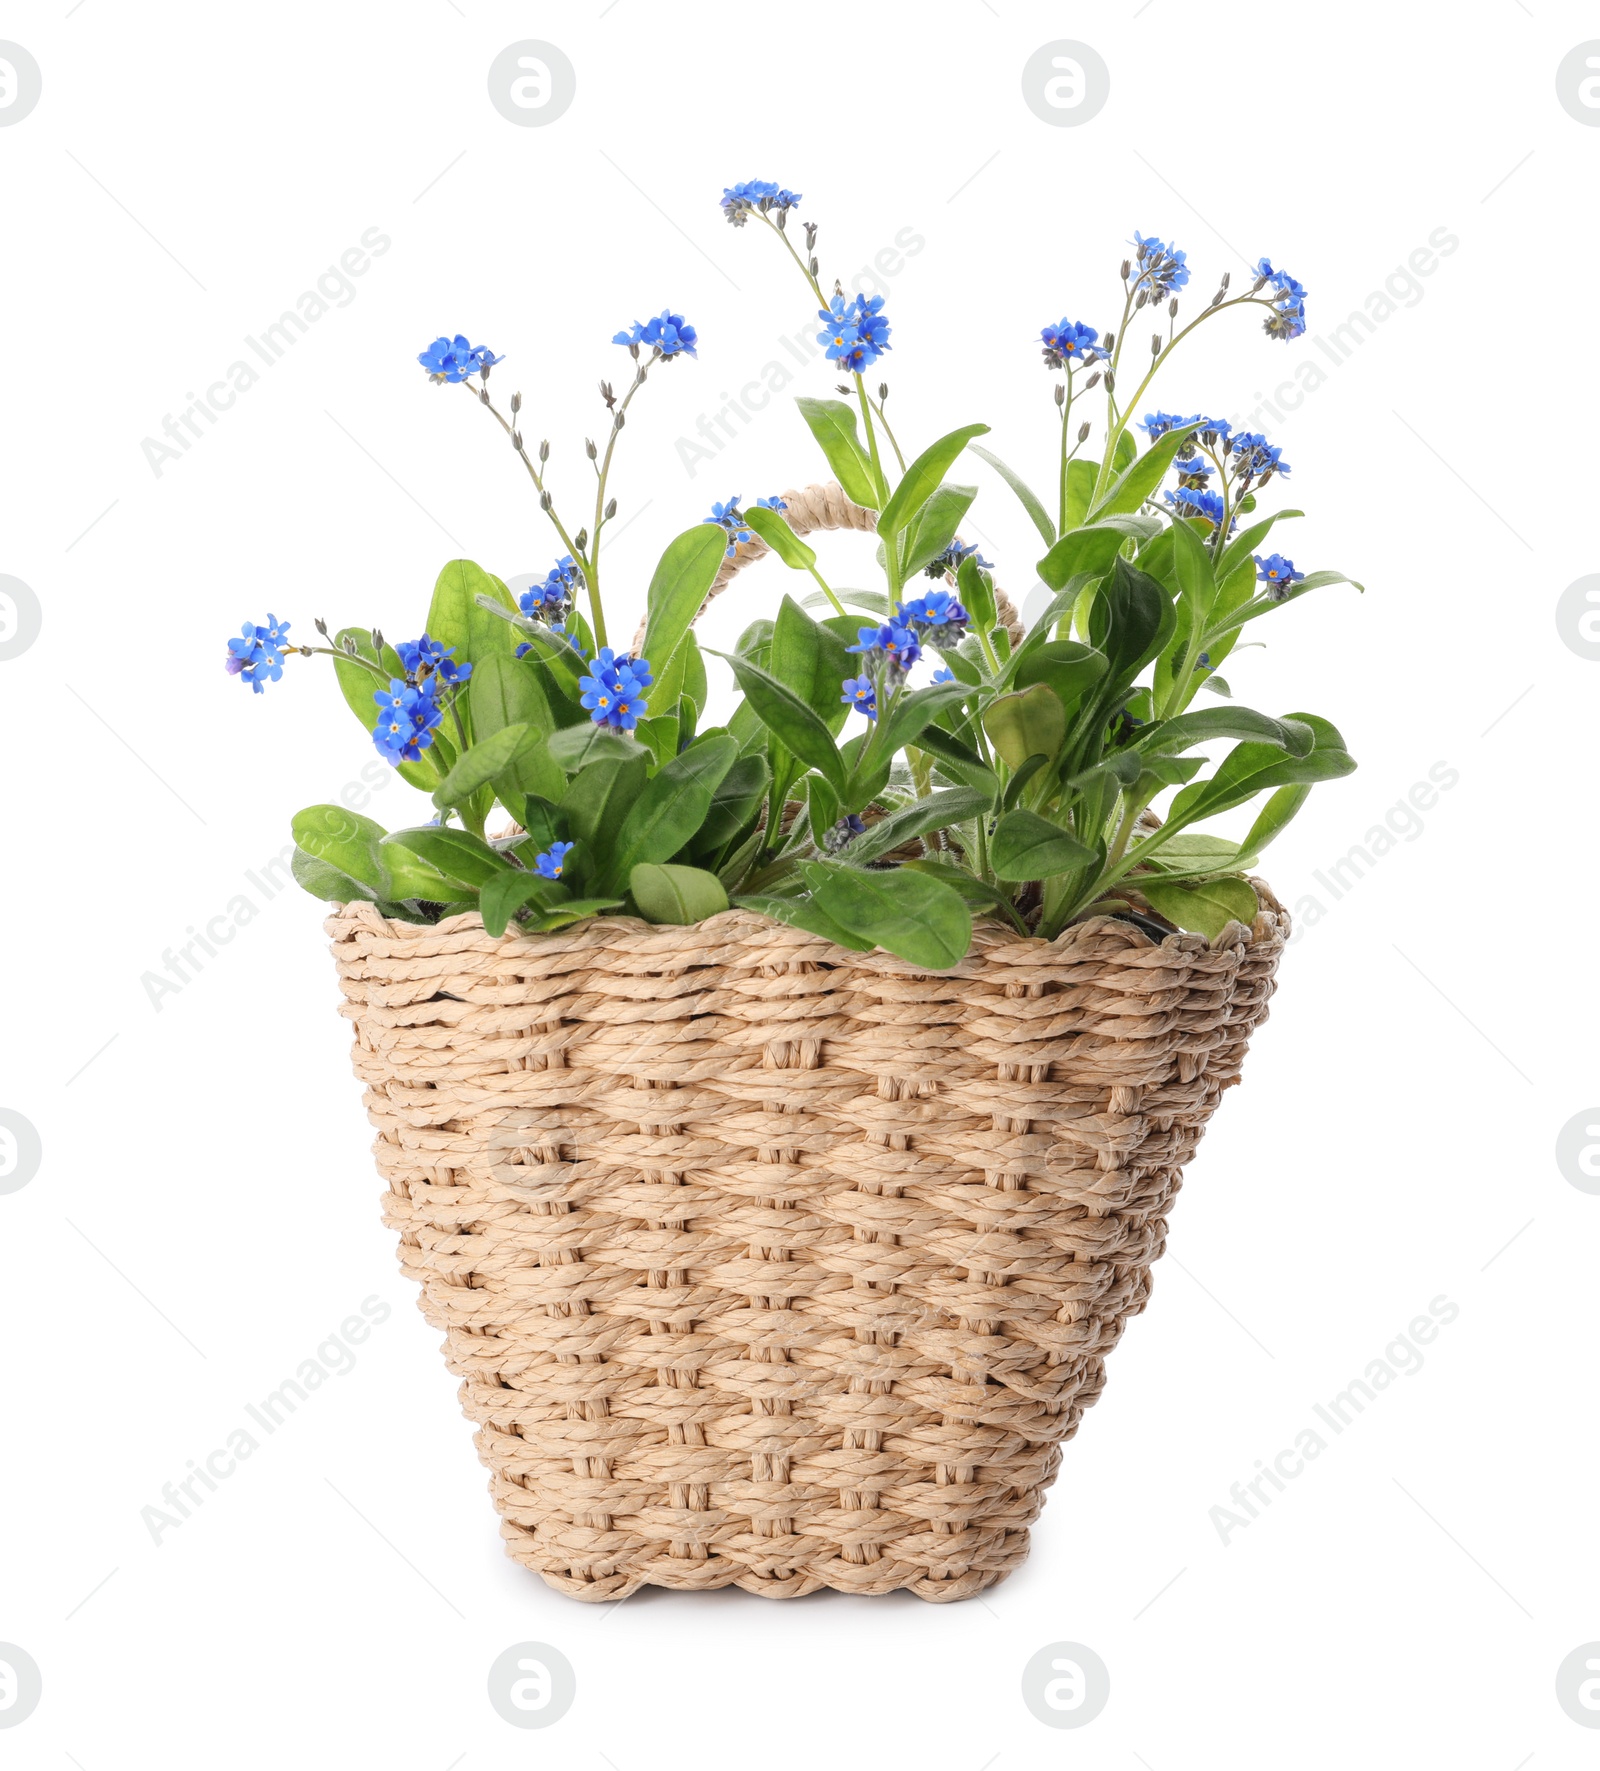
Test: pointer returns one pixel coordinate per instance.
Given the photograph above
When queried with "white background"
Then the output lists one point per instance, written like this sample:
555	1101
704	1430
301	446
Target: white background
205	1213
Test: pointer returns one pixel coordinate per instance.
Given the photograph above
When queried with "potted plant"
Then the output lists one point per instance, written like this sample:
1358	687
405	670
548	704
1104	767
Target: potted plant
780	1114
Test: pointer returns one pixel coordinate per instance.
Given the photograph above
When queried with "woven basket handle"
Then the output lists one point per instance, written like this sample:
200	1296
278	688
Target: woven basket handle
818	507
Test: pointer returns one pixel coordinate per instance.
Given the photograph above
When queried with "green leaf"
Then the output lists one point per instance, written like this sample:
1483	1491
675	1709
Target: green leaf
975	588
676	894
410	876
1272	818
936	527
563	915
912	711
576	747
1138	480
672	806
1170	736
822	808
1069	668
325	881
455	617
958	759
1081	551
1249	769
810	659
1194	855
464	859
1131	620
541	827
833	424
1030	722
803	913
919	919
1192	566
737	800
1029	499
1126	450
359	686
1207	907
660	736
922	478
506	691
345	840
783	541
1026	846
479	763
507	893
1081	476
950	805
562	662
972	889
789	718
599	798
680	584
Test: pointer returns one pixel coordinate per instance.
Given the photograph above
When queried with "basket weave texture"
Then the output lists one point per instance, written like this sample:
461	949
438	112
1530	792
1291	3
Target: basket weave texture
767	1263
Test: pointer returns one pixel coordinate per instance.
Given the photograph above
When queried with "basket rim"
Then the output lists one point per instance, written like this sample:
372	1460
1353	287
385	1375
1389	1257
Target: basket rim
992	937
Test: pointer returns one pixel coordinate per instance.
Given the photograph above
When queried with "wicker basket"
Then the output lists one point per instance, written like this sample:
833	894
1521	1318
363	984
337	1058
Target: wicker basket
769	1264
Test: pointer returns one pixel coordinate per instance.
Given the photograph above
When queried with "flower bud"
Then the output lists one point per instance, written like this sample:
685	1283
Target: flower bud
1111	339
321	626
483	392
619	419
589	448
1127	269
516	441
611	509
841	387
545	501
1216	300
516	402
1144	296
1083	431
883	391
1172	308
1093	380
783	218
1259	283
1111	382
1227	278
1155	345
581	540
544	450
1061	393
377	639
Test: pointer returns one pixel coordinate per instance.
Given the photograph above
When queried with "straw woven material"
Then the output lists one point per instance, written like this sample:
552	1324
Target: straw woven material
767	1263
